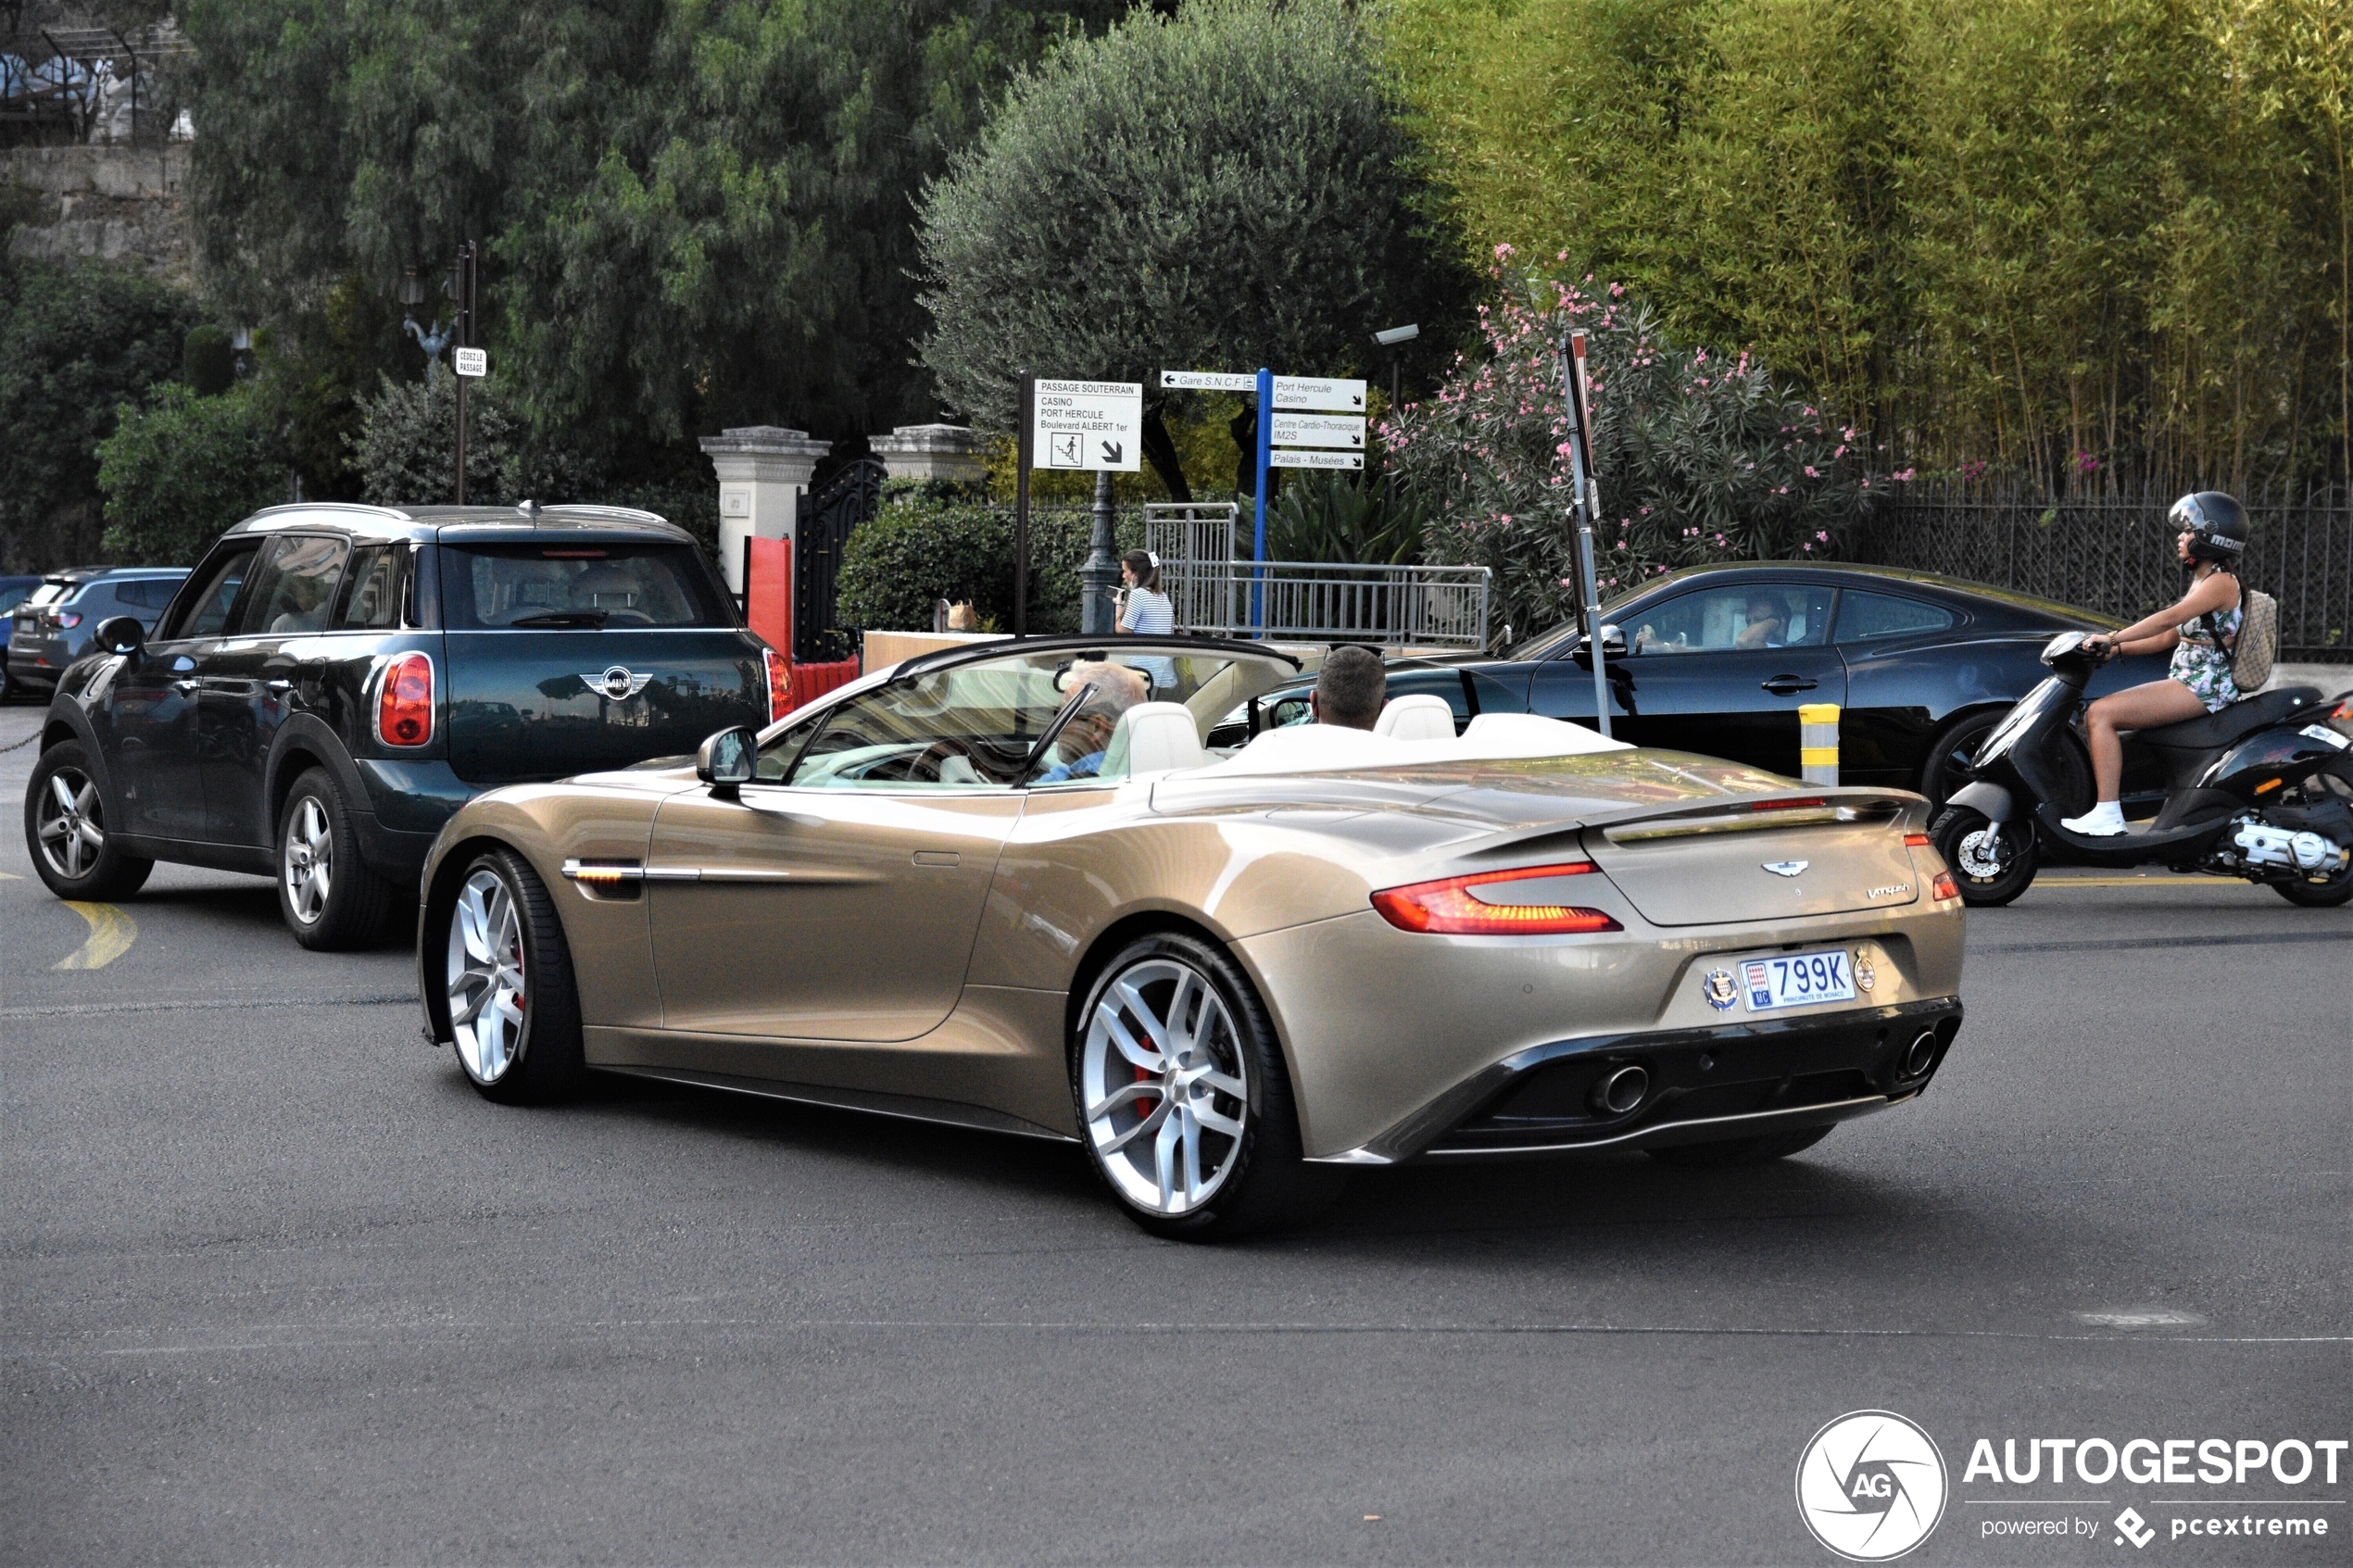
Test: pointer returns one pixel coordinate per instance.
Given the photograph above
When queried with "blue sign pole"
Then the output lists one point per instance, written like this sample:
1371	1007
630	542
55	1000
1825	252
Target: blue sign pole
1266	460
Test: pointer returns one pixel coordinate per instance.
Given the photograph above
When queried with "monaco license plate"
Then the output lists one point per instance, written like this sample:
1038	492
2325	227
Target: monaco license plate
1789	980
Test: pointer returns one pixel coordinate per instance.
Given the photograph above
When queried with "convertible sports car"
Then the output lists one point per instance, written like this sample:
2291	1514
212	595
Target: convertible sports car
1011	887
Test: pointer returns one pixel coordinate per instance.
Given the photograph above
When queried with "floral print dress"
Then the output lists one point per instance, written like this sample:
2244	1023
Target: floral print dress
2202	667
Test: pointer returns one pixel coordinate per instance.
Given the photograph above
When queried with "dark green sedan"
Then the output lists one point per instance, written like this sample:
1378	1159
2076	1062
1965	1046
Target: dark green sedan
331	682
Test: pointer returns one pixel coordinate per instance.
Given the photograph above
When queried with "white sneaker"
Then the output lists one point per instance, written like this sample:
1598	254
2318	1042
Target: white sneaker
2103	820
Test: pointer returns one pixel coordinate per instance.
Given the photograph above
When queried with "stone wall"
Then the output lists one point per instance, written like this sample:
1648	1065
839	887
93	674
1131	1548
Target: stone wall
115	202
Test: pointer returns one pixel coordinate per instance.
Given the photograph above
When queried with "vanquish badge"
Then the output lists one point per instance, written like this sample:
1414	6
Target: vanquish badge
1871	1486
1721	989
1786	868
617	683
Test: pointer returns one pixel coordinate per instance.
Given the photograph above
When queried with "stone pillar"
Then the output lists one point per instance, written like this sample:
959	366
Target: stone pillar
762	472
942	452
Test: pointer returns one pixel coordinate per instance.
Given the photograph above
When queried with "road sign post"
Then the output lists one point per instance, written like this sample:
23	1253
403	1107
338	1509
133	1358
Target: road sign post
1091	426
1024	454
1266	390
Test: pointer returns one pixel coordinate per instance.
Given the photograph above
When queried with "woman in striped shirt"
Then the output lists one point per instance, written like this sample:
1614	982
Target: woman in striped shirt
1144	610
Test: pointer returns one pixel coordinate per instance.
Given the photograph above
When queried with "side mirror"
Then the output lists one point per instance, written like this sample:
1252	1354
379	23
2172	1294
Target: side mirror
1613	642
122	634
725	761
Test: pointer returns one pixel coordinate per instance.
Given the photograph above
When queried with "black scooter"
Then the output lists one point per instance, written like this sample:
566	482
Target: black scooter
2261	790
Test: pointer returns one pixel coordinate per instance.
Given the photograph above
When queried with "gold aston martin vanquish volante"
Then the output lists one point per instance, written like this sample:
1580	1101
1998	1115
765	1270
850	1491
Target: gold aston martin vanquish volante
1067	888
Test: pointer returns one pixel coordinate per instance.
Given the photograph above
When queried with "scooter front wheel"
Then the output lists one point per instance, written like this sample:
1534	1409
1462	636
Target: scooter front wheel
1993	862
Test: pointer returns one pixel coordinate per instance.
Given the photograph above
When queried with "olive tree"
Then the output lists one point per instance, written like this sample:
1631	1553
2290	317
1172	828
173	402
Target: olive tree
1223	189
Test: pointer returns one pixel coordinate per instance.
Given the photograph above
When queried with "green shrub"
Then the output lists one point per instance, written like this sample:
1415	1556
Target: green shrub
77	341
207	361
179	472
919	549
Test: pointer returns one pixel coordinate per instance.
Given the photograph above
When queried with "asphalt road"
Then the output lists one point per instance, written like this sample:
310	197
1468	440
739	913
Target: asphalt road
279	1287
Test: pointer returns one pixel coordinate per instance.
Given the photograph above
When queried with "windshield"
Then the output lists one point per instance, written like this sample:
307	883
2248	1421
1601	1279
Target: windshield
558	588
1043	719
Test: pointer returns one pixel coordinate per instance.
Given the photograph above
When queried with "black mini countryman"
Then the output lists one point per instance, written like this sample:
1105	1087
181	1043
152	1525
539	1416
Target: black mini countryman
331	681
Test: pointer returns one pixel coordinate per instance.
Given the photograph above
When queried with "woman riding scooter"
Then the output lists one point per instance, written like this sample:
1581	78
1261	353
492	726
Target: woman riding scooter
2200	630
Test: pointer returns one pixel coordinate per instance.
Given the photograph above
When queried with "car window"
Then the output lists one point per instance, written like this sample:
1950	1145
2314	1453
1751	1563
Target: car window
1732	620
147	593
293	586
1862	616
556	587
205	613
1031	719
50	593
373	589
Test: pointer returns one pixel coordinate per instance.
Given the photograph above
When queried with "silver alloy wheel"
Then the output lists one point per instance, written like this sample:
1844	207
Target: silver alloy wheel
486	976
1165	1085
308	861
73	830
1981	855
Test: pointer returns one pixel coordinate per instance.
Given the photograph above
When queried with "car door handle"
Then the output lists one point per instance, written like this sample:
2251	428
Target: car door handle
281	686
1783	685
185	686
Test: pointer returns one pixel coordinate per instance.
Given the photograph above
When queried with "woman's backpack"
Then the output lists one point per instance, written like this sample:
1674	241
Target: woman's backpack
2257	641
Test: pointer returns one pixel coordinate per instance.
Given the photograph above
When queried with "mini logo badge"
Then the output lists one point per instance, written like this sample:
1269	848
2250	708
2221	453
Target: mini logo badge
1721	989
1871	1486
1786	868
2130	1526
616	682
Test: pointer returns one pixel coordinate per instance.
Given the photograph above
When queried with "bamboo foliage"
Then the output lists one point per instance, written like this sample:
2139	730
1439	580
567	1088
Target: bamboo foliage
2089	243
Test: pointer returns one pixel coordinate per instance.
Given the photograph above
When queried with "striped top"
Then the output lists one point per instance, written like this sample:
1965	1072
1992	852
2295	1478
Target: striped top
1149	612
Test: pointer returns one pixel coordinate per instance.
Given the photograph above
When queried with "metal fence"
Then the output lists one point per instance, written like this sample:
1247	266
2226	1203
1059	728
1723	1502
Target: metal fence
2117	554
1316	601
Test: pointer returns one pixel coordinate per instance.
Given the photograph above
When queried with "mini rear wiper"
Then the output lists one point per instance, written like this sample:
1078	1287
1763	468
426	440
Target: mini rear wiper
563	618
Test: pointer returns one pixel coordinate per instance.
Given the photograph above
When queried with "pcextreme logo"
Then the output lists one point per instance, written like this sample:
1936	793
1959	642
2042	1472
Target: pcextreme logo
1871	1486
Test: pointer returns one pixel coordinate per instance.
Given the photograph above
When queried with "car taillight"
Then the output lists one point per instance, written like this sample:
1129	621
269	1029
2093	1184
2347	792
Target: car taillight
1943	886
404	707
1916	841
779	684
2344	709
1451	908
68	618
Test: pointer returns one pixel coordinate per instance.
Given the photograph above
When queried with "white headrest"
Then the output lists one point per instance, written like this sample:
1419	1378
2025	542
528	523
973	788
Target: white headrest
1155	737
1416	718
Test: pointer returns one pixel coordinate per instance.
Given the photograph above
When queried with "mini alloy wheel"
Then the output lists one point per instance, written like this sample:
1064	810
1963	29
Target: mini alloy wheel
485	973
309	865
329	896
1183	1097
1166	1091
66	831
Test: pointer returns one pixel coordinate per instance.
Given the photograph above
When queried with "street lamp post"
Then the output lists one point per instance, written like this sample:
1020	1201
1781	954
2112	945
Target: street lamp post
1394	340
461	292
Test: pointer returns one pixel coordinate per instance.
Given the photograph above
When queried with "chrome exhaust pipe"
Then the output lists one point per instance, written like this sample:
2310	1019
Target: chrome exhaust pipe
1922	1055
1621	1091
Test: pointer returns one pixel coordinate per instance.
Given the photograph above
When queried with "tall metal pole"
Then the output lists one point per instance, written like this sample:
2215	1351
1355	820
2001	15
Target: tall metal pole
1023	457
1587	499
462	278
1266	462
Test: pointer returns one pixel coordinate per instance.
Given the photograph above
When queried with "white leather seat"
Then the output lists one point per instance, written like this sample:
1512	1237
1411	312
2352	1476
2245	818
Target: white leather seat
1416	717
1153	737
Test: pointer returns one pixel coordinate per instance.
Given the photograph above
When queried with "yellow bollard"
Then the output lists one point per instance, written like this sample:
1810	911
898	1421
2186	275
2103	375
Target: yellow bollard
1817	742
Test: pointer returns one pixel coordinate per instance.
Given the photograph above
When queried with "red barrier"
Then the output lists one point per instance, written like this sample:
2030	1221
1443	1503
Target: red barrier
768	592
810	681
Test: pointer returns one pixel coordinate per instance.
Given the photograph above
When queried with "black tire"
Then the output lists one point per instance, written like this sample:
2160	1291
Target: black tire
64	802
1740	1151
330	900
1949	754
2334	780
1259	1182
535	1057
2011	851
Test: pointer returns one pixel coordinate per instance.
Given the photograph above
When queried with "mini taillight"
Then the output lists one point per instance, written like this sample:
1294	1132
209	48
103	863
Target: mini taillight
1916	841
68	618
1450	908
779	684
404	707
1943	886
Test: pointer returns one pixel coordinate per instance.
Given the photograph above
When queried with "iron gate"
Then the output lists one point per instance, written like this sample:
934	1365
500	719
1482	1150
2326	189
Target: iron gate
826	518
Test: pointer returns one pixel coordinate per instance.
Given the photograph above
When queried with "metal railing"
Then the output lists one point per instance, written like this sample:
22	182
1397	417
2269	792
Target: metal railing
1318	601
2117	556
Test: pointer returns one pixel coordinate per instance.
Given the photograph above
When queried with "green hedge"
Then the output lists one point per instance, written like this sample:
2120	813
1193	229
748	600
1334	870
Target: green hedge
182	468
921	548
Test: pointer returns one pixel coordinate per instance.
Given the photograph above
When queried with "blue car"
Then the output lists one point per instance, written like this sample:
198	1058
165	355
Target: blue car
57	621
13	591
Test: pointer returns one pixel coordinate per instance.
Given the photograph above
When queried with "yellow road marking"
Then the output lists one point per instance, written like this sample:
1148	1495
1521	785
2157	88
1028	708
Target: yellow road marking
111	933
11	876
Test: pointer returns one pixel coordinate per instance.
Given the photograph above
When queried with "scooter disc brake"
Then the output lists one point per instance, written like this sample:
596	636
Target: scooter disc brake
1981	854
